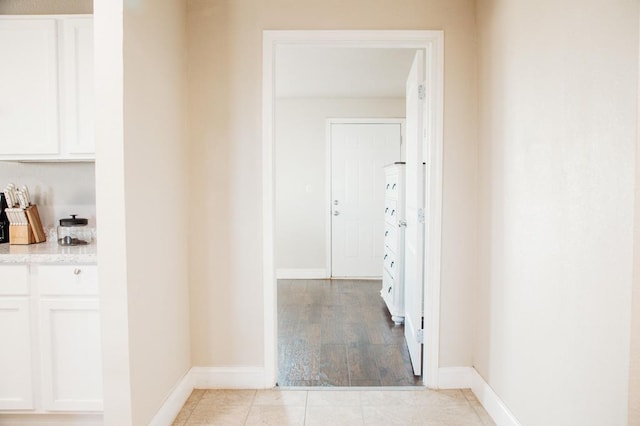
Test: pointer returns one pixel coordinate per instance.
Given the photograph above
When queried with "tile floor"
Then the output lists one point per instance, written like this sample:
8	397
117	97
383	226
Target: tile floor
333	407
339	333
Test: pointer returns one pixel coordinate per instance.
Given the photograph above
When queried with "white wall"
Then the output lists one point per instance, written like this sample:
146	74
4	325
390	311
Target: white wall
301	149
225	74
59	189
141	177
558	102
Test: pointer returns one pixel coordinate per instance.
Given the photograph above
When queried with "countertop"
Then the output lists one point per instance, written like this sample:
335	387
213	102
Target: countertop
48	252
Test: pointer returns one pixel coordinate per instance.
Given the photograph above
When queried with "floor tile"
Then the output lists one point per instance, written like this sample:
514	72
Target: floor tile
290	398
276	415
221	414
333	399
217	397
333	416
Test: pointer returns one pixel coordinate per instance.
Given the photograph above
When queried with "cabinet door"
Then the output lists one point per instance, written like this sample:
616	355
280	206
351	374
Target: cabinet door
28	88
77	87
16	383
71	359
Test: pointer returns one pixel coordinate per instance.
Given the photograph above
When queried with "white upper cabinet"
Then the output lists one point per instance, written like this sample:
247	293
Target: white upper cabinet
46	88
77	87
29	122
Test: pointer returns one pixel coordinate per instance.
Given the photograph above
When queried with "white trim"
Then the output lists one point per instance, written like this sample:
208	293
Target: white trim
228	378
174	402
302	274
433	204
491	402
328	174
51	419
433	43
455	377
270	348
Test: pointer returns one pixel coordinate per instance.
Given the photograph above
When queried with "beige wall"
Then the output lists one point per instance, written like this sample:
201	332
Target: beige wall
45	7
634	359
557	109
141	179
301	149
225	71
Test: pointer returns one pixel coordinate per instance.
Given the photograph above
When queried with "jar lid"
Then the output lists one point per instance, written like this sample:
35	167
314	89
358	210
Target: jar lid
73	221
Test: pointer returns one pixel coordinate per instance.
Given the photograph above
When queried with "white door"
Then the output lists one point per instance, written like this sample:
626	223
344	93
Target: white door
414	210
358	154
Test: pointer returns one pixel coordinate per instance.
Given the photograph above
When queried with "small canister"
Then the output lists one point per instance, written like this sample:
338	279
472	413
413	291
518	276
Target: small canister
73	231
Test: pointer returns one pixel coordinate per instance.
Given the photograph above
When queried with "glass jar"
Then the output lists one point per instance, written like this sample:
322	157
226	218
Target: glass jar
74	231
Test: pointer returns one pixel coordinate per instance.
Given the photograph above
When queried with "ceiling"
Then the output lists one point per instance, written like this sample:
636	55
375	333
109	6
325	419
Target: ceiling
313	72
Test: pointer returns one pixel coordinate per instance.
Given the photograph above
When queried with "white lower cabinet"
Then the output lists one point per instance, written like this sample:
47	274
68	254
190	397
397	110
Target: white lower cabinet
70	350
16	383
50	359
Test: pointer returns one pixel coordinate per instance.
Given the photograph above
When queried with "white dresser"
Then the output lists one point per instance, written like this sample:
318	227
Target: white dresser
393	272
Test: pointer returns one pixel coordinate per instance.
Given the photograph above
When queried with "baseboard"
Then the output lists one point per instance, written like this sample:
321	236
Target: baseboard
174	402
51	419
455	378
492	402
228	377
302	274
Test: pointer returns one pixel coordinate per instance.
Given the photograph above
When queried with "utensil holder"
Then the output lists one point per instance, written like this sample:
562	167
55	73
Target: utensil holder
29	233
21	234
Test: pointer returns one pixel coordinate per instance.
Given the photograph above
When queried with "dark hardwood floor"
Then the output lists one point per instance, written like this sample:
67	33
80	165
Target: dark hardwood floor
339	333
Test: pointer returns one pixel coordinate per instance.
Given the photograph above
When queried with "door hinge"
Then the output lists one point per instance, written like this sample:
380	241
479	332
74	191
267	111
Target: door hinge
420	336
421	216
422	92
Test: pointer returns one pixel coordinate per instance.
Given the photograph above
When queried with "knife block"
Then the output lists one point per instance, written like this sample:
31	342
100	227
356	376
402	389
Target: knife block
31	233
21	234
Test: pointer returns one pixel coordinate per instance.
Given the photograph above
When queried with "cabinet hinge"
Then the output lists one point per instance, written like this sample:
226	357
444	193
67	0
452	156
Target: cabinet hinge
421	215
422	92
420	336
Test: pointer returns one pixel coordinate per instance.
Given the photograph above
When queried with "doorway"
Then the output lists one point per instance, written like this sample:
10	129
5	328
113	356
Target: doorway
432	43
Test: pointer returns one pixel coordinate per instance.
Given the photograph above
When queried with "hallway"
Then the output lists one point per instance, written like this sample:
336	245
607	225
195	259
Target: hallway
339	333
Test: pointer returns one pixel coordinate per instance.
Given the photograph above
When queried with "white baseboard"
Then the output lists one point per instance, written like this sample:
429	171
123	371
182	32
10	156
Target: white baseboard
301	274
51	419
455	378
492	402
174	402
228	377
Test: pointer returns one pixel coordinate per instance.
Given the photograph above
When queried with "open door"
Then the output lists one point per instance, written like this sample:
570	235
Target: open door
414	213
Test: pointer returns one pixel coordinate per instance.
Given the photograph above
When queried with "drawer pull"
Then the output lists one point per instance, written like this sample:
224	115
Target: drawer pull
385	256
394	186
77	271
392	264
386	209
393	212
386	233
387	186
389	291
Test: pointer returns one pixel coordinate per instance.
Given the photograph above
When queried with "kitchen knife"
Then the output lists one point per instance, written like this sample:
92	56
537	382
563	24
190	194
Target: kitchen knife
27	195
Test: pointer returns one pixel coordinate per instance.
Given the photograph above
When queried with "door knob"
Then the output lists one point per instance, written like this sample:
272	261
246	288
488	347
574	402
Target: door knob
402	223
336	213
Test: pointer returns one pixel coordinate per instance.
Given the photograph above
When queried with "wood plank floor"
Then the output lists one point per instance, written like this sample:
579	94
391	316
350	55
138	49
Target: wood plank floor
339	333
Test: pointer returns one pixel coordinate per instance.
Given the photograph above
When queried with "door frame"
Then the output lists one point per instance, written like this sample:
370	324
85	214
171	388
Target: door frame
329	175
433	44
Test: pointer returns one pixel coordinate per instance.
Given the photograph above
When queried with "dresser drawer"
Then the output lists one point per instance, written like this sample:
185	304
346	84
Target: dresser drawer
72	280
391	212
387	285
391	237
391	186
15	280
390	263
